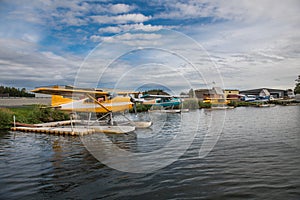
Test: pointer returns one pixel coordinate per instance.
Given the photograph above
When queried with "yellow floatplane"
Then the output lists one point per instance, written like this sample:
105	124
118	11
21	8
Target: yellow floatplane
105	103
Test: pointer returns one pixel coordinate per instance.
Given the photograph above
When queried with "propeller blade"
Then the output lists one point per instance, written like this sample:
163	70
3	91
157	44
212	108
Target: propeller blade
133	100
134	107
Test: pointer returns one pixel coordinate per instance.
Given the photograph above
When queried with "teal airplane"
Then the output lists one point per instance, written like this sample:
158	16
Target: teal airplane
166	101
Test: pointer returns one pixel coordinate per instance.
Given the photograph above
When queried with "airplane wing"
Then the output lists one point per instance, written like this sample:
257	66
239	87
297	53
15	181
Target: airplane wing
67	92
157	96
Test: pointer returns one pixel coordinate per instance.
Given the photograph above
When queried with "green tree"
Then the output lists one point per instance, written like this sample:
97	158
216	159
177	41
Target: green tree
191	93
15	92
297	88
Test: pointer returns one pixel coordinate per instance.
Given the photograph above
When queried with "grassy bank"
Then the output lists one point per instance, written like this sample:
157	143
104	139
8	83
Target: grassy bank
191	104
285	102
140	108
242	103
276	102
30	114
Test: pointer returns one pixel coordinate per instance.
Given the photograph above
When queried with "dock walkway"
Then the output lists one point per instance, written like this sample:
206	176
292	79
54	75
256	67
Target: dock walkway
56	130
59	123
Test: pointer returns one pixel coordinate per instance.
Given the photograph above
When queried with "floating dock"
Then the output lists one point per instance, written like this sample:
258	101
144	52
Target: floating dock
48	124
56	130
113	129
59	123
83	129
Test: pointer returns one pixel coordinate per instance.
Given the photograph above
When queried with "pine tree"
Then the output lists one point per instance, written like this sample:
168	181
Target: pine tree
297	88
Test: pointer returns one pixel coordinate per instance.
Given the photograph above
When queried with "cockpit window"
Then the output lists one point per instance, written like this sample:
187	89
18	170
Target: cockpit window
88	101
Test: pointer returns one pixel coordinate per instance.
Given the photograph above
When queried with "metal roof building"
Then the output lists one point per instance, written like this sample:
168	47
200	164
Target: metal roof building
276	93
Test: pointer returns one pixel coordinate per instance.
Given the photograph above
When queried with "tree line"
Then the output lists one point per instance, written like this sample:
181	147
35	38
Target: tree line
297	88
14	92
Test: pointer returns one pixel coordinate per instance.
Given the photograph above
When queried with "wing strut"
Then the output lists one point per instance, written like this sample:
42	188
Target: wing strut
109	111
97	102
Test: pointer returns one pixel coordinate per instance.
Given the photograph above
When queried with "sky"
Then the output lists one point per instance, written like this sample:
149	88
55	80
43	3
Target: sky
179	44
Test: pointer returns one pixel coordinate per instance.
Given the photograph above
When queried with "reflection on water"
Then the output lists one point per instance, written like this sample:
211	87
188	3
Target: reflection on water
257	156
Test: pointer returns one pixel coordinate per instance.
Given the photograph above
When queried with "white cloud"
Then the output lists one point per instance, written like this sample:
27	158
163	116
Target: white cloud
120	19
22	65
243	73
72	13
30	37
257	45
137	68
96	38
139	36
145	51
120	8
237	10
287	11
73	19
132	39
189	9
128	27
53	13
246	39
110	29
51	56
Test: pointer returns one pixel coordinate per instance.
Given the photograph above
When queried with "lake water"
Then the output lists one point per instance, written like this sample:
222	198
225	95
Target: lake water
256	156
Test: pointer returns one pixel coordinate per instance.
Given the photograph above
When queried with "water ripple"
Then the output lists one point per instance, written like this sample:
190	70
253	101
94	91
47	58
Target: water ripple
256	157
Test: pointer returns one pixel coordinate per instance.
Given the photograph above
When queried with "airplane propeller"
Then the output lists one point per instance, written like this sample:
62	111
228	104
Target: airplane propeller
134	104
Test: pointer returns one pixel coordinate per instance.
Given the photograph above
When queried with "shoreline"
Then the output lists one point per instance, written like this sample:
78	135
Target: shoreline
8	102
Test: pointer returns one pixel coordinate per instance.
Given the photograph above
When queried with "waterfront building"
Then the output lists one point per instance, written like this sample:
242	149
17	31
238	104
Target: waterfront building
214	96
214	93
232	94
276	93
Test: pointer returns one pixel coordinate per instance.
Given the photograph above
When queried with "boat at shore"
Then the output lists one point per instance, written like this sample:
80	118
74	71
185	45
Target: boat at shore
168	110
265	105
219	107
165	111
